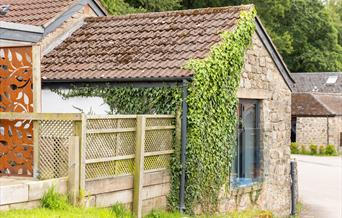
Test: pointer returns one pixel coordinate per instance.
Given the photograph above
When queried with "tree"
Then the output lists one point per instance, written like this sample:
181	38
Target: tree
334	8
118	7
156	5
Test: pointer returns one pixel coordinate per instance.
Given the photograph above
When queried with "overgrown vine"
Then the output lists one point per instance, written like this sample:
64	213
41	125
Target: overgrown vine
131	100
212	115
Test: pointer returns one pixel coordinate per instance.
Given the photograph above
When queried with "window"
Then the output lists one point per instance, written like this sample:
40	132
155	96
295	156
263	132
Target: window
246	167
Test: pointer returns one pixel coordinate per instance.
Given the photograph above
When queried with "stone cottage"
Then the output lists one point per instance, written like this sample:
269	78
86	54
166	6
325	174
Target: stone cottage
317	109
148	50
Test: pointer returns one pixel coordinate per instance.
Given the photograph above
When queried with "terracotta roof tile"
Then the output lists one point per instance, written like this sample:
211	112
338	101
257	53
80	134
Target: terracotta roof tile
150	45
34	12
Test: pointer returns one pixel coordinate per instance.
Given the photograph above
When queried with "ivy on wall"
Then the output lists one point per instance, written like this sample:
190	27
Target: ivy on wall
212	103
130	100
212	115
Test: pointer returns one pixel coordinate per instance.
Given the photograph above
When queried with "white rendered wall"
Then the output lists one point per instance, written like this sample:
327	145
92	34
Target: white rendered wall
54	103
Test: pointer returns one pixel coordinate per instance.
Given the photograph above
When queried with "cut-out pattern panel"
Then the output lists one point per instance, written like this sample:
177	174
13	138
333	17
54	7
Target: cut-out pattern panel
16	136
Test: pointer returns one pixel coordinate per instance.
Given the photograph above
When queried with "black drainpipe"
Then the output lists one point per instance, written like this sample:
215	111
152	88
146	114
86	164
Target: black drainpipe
183	148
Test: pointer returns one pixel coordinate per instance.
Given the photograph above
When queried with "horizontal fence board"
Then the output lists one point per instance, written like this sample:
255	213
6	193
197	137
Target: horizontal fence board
106	159
149	128
40	116
116	130
155	153
119	183
96	117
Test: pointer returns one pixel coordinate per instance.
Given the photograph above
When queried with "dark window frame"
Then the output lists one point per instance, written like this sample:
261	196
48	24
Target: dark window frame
258	155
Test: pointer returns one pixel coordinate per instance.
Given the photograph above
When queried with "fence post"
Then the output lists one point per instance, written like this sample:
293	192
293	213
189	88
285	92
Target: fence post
36	148
36	82
82	132
139	166
73	169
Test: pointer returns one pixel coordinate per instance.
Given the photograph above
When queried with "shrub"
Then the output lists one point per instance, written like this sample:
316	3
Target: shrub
163	214
330	150
121	211
313	149
294	148
53	200
303	150
321	150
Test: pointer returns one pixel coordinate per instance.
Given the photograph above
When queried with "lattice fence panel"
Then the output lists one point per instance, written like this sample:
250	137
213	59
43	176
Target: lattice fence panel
110	138
111	141
54	146
158	141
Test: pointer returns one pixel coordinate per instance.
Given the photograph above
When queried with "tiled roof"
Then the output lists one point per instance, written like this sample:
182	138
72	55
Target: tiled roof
309	104
34	12
150	45
317	82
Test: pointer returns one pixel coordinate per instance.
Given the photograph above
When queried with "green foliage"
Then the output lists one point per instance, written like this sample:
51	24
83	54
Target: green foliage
313	149
129	100
212	116
71	212
121	211
156	5
321	150
163	214
53	200
118	7
334	8
303	150
330	150
294	148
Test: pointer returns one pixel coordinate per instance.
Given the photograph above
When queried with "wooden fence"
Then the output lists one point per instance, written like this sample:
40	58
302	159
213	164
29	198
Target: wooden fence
96	147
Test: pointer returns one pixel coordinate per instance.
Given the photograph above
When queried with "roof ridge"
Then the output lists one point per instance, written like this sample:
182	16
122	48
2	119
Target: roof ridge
173	13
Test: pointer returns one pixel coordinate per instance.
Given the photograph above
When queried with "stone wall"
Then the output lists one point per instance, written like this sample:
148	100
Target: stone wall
335	130
262	80
319	131
99	192
24	194
311	130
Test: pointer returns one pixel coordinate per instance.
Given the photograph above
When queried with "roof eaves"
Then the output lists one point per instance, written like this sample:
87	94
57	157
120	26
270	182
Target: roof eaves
261	31
115	80
20	32
59	19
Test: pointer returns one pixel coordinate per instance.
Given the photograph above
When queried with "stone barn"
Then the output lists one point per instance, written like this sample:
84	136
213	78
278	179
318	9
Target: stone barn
317	109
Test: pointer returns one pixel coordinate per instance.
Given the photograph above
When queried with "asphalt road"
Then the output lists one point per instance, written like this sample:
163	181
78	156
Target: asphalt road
320	186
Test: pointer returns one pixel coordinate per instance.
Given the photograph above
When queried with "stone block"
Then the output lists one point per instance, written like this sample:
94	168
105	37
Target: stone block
118	183
13	193
25	205
37	189
4	207
109	199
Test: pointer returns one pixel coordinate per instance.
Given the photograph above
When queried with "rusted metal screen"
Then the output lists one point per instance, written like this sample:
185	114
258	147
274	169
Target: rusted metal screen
16	95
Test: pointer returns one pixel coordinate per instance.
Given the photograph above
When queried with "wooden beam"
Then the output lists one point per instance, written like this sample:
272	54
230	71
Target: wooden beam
139	166
81	132
40	116
117	130
73	169
37	106
159	128
108	159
